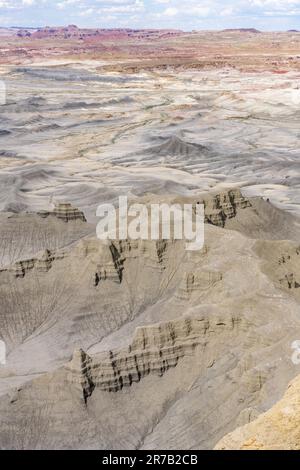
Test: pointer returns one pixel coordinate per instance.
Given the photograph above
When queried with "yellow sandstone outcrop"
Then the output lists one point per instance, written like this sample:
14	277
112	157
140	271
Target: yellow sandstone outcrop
278	428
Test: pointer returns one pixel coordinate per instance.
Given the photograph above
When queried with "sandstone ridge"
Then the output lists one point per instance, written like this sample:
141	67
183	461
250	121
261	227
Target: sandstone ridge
154	350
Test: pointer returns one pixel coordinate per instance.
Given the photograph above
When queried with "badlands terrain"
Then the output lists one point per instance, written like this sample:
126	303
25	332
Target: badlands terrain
142	344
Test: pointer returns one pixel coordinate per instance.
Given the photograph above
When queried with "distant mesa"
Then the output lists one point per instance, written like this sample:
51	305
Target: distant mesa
23	33
65	212
74	32
293	31
242	30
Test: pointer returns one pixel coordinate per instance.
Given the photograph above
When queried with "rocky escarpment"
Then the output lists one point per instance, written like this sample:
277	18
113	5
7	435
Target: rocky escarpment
290	261
42	263
109	257
197	281
81	368
218	207
208	331
282	264
154	350
224	206
91	287
24	235
65	212
115	254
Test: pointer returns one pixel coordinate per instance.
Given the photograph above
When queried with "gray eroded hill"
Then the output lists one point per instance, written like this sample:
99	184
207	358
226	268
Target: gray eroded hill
173	349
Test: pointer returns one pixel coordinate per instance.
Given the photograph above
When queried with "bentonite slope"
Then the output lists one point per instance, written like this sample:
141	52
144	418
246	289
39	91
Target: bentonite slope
81	134
140	344
147	345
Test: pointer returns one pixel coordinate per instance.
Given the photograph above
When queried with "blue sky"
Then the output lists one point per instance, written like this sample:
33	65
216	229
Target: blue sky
183	14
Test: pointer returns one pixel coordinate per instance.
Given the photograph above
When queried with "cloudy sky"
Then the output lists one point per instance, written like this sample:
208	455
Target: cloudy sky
183	14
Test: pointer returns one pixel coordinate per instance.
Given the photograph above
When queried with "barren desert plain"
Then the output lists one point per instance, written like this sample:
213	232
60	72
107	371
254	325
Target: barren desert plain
141	344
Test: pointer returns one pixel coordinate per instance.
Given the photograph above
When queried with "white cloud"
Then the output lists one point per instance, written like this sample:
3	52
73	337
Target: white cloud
122	7
171	11
185	14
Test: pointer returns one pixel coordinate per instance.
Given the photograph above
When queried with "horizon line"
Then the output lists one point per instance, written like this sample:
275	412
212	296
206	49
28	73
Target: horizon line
242	28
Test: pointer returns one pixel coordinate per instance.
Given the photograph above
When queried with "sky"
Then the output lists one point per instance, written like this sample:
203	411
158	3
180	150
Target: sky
180	14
